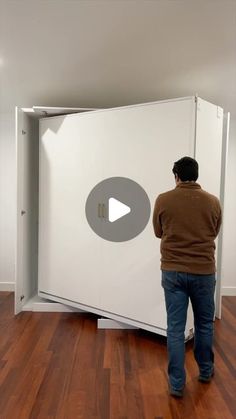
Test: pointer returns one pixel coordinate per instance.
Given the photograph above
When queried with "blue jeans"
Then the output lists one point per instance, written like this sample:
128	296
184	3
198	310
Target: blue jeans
178	288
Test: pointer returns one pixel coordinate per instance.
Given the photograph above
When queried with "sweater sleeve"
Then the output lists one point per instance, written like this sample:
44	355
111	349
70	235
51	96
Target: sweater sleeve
156	220
219	219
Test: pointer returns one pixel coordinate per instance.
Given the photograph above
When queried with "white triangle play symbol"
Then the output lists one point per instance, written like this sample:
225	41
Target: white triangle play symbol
117	209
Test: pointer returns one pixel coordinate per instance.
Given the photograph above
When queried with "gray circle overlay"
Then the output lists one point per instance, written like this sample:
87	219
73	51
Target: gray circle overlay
129	193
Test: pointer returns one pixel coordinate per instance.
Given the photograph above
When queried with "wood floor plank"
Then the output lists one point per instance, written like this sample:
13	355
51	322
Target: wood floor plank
59	365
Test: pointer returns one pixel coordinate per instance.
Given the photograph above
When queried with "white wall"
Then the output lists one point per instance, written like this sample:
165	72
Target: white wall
111	53
7	201
229	228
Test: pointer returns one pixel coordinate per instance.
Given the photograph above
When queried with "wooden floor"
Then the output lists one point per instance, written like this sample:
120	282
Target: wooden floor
58	365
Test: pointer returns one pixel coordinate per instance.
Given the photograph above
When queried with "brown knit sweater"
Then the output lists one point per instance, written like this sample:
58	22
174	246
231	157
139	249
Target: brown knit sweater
187	219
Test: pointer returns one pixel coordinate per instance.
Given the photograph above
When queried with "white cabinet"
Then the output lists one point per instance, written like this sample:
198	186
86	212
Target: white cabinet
119	280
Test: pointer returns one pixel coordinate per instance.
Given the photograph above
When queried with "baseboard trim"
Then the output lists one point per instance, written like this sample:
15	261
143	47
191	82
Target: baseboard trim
7	286
228	291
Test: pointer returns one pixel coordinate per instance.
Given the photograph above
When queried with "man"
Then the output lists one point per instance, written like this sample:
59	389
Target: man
188	219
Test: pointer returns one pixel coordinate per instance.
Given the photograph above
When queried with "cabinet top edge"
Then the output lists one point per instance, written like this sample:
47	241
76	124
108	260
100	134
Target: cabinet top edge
136	105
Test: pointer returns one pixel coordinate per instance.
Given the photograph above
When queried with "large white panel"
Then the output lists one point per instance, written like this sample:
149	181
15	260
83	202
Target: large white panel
70	263
142	143
78	151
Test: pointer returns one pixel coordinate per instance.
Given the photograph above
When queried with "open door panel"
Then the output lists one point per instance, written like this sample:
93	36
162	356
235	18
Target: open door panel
26	254
27	175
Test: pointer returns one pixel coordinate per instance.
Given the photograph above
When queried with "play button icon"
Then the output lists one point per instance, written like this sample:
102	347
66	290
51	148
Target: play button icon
117	209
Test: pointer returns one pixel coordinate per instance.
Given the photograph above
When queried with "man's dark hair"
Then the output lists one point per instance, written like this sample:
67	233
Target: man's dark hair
186	169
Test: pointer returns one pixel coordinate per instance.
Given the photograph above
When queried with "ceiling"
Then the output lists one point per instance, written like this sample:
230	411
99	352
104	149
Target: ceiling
104	53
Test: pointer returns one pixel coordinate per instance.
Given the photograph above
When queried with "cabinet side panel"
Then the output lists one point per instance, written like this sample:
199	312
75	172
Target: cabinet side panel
30	205
19	193
209	132
27	208
209	145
